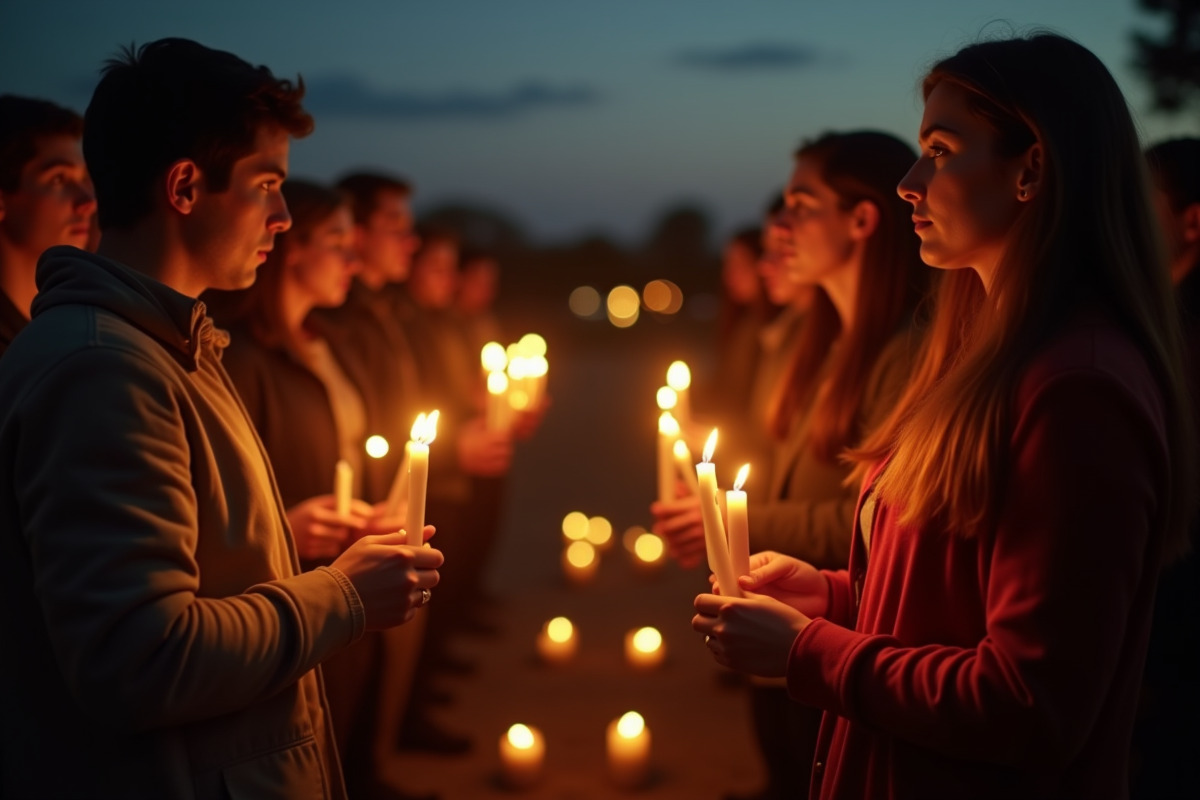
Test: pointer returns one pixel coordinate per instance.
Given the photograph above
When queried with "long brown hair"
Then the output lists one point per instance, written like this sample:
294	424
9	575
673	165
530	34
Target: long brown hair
858	166
260	308
1086	237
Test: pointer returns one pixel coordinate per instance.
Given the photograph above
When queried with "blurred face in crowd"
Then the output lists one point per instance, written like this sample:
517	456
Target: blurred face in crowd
772	267
964	194
477	285
1181	234
434	279
230	232
386	241
821	242
54	203
739	274
321	266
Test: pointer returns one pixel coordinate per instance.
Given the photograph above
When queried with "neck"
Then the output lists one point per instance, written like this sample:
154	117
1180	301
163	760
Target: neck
372	277
150	250
294	307
18	278
842	288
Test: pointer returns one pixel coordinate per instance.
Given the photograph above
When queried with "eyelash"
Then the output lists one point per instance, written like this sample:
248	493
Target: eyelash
936	151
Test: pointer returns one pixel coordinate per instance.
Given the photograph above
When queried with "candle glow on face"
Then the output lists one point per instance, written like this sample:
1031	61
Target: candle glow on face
679	377
710	446
377	446
740	481
666	398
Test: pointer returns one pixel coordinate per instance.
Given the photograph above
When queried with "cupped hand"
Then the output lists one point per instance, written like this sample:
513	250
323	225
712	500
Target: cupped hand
320	531
389	576
788	580
752	634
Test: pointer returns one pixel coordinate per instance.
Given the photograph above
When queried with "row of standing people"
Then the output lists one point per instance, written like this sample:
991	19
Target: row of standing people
947	455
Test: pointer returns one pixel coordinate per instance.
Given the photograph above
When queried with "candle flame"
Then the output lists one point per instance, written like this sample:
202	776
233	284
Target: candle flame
377	446
666	397
743	473
681	450
667	424
679	377
424	429
710	446
520	736
497	383
631	725
493	357
647	640
532	345
560	629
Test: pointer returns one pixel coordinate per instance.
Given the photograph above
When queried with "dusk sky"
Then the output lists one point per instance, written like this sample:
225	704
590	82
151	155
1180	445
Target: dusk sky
573	117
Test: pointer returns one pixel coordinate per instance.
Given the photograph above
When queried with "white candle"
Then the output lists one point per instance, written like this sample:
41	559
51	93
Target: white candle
628	750
522	751
679	378
683	462
644	648
497	405
739	525
715	542
668	432
557	642
424	430
343	486
580	562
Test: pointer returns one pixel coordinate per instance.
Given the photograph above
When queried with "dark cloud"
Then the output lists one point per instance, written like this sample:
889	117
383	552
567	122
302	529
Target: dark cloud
751	57
350	96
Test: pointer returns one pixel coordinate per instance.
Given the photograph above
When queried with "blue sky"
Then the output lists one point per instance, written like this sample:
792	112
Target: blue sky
573	117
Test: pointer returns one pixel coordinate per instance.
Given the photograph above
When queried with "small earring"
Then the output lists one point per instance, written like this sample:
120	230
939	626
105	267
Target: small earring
1023	194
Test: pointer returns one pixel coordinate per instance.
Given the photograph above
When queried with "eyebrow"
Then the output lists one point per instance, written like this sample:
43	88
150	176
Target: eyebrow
58	163
800	189
937	128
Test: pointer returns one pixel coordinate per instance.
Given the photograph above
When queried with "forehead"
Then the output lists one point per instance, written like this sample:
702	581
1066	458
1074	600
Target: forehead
947	109
270	153
55	150
807	180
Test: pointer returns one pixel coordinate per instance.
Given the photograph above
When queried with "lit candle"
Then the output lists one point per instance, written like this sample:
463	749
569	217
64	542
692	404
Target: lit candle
522	750
666	398
493	357
536	370
648	549
668	432
644	648
343	486
683	462
497	405
557	642
377	446
580	562
679	378
739	525
715	542
628	750
424	430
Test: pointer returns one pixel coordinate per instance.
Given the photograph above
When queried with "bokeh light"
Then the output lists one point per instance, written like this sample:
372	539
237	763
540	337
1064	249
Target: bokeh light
667	398
581	554
599	531
532	346
584	301
647	640
656	296
624	305
649	547
559	629
520	737
575	526
631	724
377	446
493	357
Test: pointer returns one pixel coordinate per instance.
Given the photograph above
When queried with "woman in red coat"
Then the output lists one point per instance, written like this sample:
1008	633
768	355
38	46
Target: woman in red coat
989	635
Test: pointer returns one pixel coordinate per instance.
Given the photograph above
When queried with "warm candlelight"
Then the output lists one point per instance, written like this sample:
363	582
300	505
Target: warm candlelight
580	562
683	462
522	750
644	648
343	486
668	432
497	402
648	550
599	533
575	526
377	446
739	526
715	542
557	642
628	750
666	398
493	357
536	370
424	431
679	378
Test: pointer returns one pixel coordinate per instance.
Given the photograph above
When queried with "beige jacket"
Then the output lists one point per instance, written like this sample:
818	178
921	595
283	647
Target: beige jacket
159	641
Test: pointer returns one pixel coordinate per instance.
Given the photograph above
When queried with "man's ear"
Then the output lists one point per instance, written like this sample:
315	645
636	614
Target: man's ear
183	183
1029	179
864	219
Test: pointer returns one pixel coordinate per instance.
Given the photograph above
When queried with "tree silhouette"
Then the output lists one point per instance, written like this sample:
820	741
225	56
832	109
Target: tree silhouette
1171	64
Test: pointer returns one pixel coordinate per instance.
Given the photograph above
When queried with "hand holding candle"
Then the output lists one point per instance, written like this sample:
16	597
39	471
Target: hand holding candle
715	541
739	526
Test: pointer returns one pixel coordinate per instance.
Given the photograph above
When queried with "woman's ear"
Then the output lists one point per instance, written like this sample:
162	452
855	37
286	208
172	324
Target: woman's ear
1029	178
864	219
183	185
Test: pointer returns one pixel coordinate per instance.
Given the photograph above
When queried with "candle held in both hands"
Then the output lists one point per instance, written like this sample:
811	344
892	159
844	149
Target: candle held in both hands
424	431
522	751
739	526
715	542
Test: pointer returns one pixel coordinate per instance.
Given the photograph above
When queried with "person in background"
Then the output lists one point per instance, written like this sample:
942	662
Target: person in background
159	634
478	285
314	402
46	198
989	635
845	232
1165	738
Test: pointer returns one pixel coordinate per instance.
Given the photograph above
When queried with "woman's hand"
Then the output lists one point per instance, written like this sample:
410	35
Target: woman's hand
752	634
680	524
789	580
322	533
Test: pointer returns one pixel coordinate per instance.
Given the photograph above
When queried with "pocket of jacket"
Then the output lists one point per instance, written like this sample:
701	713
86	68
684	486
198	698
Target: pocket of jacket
295	771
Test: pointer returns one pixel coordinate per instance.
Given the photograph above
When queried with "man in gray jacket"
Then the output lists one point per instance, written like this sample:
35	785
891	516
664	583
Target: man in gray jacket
158	638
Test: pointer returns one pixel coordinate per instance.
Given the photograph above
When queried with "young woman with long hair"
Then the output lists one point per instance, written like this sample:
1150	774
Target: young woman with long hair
988	637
